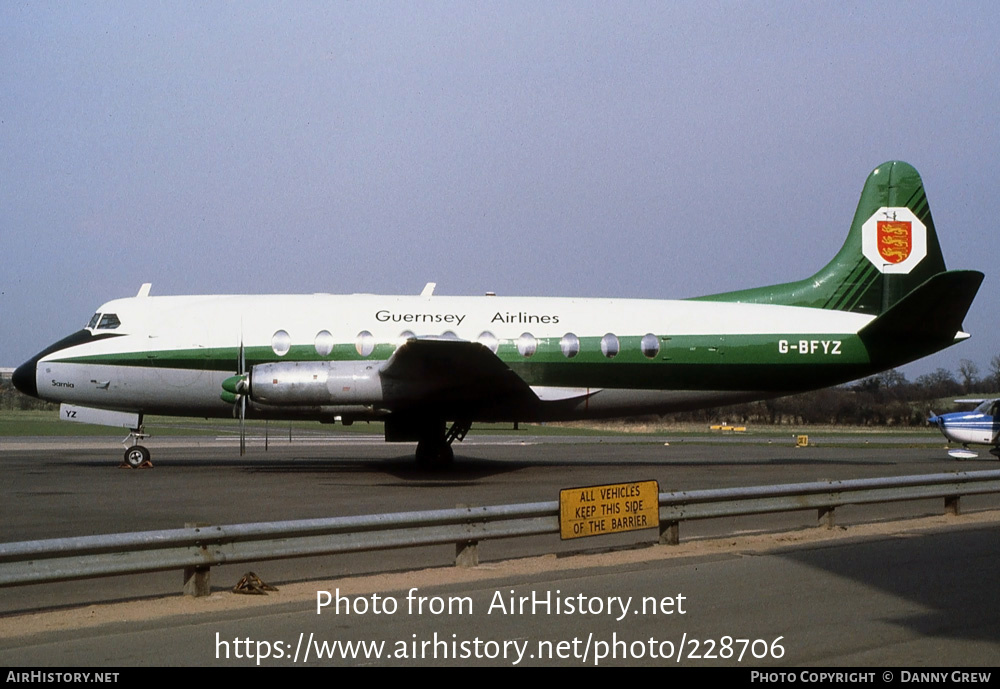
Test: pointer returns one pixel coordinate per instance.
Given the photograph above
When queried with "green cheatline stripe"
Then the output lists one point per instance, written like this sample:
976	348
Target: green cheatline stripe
731	362
683	349
767	376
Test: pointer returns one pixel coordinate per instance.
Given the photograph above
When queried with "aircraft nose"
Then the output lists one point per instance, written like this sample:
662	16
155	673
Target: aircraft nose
24	378
24	375
935	420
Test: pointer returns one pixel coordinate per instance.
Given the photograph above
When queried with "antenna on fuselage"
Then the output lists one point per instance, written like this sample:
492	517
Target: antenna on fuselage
428	289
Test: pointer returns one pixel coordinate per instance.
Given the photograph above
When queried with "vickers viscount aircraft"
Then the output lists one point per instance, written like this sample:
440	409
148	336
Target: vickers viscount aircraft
981	426
420	363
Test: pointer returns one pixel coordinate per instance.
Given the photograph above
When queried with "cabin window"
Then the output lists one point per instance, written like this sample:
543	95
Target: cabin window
609	345
650	345
281	343
109	321
450	335
570	345
94	321
324	343
365	344
489	340
527	344
406	335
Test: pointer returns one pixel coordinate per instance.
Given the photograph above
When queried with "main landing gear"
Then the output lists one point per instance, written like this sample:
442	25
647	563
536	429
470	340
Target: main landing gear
434	446
136	455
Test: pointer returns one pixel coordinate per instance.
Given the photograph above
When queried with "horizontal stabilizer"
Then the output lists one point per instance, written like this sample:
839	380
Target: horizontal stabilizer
926	319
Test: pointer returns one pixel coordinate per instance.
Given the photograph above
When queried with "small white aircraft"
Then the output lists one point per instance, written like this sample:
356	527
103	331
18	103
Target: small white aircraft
418	363
981	426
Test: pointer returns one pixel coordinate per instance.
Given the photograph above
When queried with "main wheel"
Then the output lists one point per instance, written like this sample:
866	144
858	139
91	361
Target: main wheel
434	453
136	455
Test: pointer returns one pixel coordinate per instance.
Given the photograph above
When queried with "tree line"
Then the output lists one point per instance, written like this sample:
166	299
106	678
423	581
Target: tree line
12	399
885	399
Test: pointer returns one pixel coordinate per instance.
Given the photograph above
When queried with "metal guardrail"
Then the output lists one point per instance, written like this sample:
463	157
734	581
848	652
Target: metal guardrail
198	548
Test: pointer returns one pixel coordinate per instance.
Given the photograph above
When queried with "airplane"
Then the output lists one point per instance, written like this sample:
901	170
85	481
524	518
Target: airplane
981	426
431	366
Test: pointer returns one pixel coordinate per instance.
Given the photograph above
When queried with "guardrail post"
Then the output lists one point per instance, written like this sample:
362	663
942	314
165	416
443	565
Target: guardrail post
952	505
670	533
196	581
825	517
467	554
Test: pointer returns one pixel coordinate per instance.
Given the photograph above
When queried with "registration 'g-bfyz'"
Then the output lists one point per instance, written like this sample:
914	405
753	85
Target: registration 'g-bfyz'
430	366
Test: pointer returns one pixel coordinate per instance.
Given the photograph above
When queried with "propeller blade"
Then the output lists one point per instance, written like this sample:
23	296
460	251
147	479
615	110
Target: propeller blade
239	386
243	434
243	397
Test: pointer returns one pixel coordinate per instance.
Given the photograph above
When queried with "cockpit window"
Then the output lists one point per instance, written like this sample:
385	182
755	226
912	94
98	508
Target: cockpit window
109	321
93	321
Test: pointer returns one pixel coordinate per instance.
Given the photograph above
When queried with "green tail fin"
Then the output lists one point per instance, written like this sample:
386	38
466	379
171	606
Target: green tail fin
891	250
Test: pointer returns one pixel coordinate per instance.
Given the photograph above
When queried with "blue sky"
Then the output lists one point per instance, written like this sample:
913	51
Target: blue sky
658	150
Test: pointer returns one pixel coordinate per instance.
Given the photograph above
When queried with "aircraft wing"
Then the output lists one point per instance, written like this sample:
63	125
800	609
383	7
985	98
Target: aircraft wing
432	370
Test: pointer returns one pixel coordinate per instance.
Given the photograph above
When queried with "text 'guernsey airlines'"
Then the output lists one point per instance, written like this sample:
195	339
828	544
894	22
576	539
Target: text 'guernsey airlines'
430	366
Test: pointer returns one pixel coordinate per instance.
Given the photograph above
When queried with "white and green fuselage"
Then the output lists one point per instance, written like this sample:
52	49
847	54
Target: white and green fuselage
581	357
419	362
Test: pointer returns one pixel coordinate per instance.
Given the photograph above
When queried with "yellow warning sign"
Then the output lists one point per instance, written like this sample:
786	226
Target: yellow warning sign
596	510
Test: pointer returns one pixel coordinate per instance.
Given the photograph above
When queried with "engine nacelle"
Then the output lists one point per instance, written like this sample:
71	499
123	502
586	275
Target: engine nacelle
316	383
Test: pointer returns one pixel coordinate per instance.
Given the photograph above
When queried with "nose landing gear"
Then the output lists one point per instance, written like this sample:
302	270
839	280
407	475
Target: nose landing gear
136	455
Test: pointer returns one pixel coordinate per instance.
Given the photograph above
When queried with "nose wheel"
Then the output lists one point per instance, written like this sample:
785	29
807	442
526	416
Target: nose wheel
136	455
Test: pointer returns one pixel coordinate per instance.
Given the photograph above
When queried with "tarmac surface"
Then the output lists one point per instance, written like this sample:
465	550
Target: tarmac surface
873	591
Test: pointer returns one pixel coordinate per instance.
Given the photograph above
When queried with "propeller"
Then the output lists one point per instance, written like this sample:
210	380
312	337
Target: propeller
235	390
934	419
243	398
